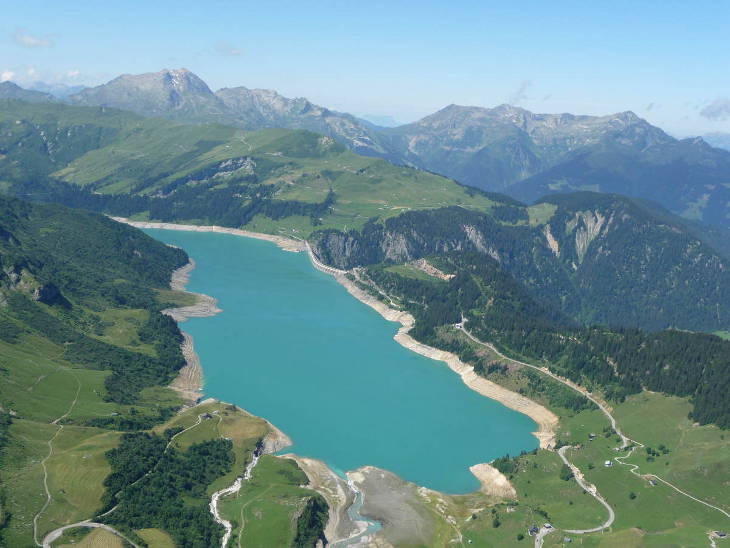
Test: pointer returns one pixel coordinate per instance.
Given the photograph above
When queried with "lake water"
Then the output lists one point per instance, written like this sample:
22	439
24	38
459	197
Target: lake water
294	347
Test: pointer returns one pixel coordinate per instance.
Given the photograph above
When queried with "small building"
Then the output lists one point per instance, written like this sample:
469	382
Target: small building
652	482
533	530
591	436
720	534
548	526
608	464
567	540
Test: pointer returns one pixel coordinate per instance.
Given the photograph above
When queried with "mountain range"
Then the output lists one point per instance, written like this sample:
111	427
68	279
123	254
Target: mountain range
718	140
299	183
613	292
506	149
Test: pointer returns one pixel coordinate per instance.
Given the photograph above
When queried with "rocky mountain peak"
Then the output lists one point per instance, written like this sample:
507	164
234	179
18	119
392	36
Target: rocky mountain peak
181	80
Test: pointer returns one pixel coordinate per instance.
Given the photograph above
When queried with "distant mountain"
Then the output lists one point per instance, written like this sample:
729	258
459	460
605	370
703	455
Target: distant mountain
688	177
177	94
181	95
719	140
263	108
527	155
9	90
380	120
505	149
57	90
495	148
121	163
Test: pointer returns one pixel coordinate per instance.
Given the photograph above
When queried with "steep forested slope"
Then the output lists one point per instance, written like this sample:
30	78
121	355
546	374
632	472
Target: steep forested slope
596	258
84	351
615	361
85	358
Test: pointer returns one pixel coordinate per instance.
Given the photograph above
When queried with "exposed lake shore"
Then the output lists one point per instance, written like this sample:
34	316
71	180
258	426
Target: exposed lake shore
189	381
546	420
287	244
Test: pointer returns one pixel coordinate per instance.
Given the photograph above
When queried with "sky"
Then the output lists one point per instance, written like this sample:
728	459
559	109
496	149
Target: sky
668	61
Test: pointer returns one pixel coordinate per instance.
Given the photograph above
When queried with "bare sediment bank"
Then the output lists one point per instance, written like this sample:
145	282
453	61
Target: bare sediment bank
284	242
546	420
205	305
493	481
338	494
189	381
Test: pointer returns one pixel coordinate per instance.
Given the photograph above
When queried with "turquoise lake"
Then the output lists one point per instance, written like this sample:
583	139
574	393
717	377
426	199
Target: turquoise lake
291	345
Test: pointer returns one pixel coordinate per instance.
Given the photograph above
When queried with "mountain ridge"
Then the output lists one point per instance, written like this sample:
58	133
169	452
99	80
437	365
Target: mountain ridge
505	149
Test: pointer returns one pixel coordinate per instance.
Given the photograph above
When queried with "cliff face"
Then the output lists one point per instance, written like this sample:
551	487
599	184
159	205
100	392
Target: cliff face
597	258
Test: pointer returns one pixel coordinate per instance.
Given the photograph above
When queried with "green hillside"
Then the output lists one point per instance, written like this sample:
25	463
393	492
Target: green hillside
85	358
120	163
70	279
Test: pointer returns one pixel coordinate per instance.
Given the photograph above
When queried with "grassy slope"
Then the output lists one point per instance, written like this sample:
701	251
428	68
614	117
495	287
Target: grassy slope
296	162
698	462
112	152
265	511
273	495
41	387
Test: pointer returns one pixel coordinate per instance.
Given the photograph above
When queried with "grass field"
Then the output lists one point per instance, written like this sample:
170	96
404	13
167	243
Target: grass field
176	298
156	538
95	538
226	421
39	386
146	156
265	511
697	461
540	214
120	329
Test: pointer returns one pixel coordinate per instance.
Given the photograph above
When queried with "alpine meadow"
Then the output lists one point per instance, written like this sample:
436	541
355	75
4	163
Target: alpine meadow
481	299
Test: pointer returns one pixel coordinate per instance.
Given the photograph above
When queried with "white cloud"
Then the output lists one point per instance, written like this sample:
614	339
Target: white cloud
717	111
6	75
71	74
520	94
226	48
27	40
32	72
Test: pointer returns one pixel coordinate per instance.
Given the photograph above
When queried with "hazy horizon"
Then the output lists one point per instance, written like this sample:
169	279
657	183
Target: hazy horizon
663	61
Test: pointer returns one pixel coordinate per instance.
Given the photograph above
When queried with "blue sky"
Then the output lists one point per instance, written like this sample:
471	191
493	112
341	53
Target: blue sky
667	61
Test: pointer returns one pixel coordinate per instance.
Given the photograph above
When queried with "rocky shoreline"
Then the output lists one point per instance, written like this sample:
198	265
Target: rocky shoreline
189	381
285	243
546	420
322	479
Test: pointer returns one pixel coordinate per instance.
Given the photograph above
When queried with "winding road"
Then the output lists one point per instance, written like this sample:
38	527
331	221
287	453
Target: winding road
50	454
54	535
626	442
545	371
590	488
